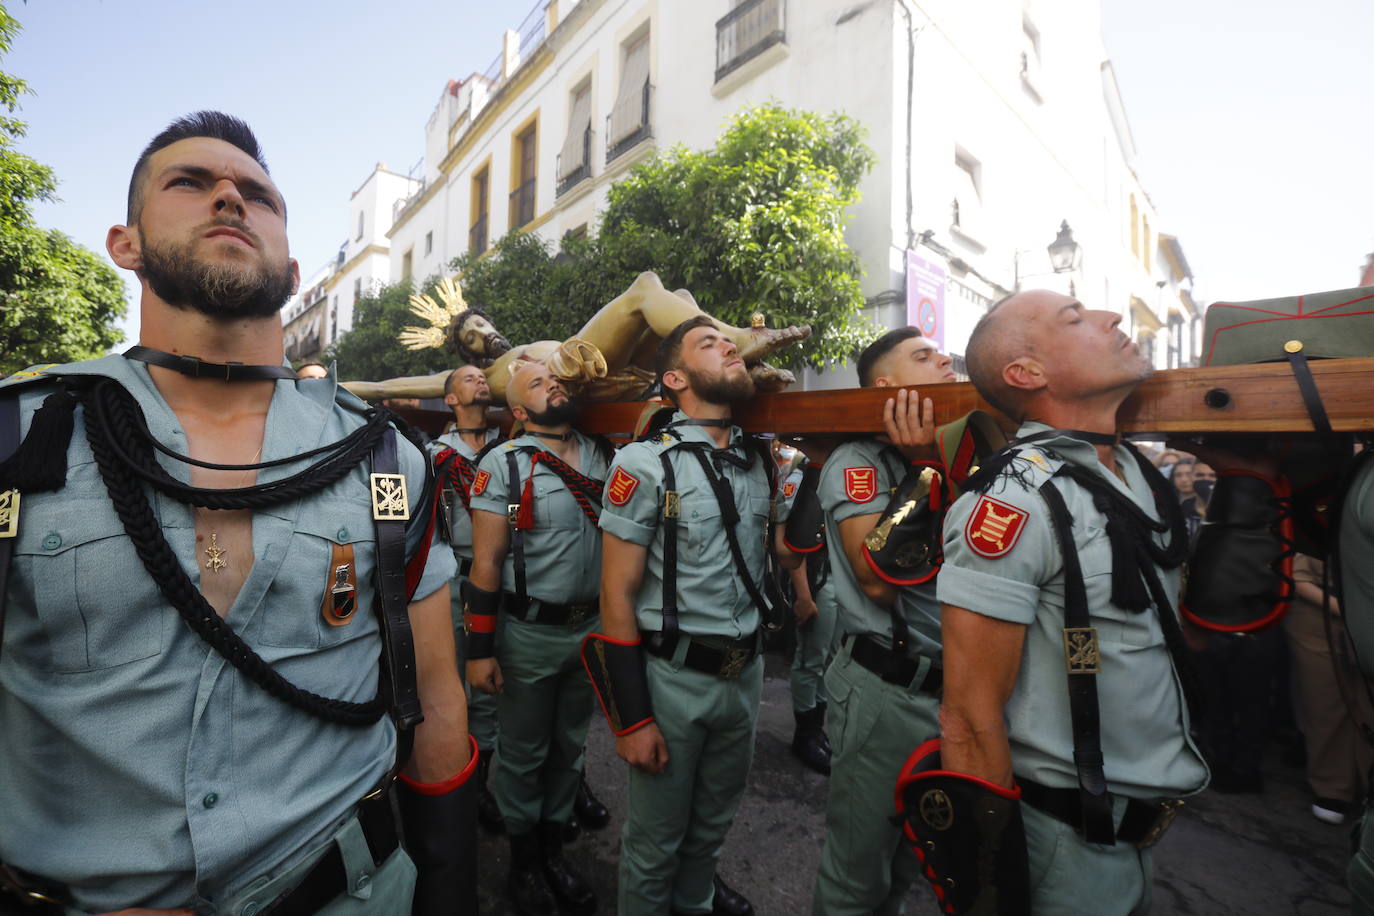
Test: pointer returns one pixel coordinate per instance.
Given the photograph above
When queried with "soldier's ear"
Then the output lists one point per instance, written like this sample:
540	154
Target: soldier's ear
125	247
451	399
1024	374
675	379
882	381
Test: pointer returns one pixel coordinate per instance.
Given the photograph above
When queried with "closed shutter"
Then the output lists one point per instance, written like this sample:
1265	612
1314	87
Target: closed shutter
574	153
628	114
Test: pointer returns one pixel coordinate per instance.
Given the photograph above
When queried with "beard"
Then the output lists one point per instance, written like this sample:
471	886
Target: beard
554	414
720	388
218	290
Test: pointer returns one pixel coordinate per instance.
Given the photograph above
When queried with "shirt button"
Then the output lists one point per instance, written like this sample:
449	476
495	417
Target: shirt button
343	534
250	908
210	800
52	542
362	882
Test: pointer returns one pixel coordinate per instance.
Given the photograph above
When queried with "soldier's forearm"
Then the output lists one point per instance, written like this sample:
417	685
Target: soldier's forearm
978	748
441	740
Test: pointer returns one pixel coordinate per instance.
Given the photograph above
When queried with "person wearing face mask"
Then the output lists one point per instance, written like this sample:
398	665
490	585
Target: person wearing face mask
1201	479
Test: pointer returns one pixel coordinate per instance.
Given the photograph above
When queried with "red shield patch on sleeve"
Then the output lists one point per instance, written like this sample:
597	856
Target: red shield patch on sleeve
861	484
621	487
479	483
788	489
993	527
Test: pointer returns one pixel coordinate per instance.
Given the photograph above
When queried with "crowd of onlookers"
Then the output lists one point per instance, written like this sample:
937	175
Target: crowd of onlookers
1296	684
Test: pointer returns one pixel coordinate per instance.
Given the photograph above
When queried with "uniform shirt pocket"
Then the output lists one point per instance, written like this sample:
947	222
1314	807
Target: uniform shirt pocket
292	619
93	605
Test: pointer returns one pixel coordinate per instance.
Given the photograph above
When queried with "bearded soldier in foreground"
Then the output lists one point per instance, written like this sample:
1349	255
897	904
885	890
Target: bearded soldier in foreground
200	710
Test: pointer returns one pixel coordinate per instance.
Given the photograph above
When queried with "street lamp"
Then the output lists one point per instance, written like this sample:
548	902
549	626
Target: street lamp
1065	253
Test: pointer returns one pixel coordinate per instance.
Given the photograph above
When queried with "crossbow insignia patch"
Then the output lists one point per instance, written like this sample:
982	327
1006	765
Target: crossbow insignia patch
993	527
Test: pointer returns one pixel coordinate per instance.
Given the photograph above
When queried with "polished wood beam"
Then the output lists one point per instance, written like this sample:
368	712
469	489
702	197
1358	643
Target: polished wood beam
1260	398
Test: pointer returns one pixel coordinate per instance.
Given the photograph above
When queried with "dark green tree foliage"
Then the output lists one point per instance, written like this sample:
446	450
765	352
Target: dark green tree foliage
370	351
58	300
755	224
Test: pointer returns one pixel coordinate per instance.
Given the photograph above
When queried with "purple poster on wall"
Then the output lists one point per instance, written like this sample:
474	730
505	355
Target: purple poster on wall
925	297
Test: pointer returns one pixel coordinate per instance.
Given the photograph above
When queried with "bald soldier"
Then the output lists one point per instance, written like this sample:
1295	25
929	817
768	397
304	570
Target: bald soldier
1063	702
531	598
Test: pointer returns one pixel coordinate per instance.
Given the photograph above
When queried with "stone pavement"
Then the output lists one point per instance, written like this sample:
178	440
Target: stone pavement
1248	855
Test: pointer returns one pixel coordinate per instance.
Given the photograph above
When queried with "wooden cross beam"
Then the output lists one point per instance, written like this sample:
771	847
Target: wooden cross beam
1260	398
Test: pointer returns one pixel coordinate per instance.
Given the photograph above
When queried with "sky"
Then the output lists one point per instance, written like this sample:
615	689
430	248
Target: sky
1252	118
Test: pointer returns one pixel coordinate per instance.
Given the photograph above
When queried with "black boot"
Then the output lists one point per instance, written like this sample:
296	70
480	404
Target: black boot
809	743
729	902
574	895
528	891
488	811
588	810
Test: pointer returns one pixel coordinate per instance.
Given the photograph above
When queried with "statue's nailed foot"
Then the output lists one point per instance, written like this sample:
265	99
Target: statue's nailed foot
763	341
770	379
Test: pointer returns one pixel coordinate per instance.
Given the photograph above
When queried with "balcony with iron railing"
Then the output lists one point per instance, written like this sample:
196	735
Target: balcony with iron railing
522	204
477	235
644	130
746	32
569	181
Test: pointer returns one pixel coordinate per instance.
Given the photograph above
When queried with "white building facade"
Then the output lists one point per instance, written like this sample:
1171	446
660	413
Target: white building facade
995	124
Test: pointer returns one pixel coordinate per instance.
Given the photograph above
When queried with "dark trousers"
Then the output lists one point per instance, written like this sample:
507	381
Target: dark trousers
1240	675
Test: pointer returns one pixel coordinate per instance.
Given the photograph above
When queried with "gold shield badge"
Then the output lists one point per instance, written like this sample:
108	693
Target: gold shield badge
9	513
389	500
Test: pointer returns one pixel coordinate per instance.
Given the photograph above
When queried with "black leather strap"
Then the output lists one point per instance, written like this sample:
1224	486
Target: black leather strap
1095	802
670	509
894	669
196	367
547	612
1063	805
1311	397
517	534
9	441
717	656
328	879
398	643
729	514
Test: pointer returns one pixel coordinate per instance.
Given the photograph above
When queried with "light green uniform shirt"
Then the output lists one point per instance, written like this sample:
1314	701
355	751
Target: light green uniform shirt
712	599
858	479
1002	560
460	522
563	549
138	766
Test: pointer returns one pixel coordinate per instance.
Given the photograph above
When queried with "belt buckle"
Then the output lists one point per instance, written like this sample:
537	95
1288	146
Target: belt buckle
27	894
1168	810
579	613
733	665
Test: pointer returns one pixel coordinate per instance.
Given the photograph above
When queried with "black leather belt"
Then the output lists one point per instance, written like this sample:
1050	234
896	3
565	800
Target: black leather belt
464	567
893	668
718	656
1142	825
27	895
327	879
547	613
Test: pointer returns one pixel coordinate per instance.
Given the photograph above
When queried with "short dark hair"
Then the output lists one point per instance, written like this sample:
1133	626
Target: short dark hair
312	362
880	348
669	354
452	377
213	124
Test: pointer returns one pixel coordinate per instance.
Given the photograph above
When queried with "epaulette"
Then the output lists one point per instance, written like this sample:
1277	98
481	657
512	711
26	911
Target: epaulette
30	376
1022	463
